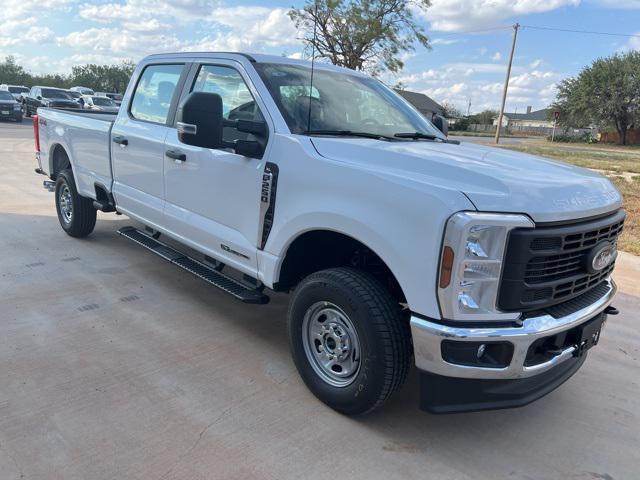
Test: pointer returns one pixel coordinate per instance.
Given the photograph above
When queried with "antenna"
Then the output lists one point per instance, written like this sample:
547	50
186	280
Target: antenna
313	59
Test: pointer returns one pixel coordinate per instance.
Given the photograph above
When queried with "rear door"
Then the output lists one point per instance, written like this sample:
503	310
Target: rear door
213	198
137	141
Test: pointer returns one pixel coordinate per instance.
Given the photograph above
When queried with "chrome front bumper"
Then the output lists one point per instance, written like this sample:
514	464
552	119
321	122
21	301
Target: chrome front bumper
428	336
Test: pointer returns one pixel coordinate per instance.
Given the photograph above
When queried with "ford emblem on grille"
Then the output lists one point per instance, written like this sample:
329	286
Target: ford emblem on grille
601	256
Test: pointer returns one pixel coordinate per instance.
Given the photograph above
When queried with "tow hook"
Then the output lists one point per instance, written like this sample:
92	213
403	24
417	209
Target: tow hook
49	185
611	310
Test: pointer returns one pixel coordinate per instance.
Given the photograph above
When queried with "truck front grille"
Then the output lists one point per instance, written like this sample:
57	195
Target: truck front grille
545	266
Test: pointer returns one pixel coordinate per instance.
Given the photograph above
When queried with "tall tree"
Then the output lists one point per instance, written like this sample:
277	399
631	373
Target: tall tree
12	73
606	93
367	35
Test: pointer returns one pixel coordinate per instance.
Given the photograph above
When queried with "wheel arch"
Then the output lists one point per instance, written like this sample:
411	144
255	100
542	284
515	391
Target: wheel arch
332	248
59	159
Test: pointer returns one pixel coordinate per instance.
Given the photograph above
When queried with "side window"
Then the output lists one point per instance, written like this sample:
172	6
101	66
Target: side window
154	91
237	101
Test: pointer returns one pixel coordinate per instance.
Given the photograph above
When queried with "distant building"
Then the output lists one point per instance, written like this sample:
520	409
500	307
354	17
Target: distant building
538	119
425	105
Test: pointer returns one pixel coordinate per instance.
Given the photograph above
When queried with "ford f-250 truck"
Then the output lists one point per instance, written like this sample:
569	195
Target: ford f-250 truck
491	269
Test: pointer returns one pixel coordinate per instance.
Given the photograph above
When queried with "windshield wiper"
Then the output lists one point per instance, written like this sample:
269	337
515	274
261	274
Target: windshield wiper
347	133
424	136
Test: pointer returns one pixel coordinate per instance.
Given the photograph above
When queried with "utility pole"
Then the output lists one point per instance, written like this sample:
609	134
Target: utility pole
516	27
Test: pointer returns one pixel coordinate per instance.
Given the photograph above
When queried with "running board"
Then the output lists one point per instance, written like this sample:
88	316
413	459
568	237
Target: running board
208	274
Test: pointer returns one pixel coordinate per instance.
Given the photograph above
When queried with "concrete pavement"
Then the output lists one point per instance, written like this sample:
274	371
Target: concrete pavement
117	365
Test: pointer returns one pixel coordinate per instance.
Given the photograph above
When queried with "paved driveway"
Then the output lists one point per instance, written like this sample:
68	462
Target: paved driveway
116	365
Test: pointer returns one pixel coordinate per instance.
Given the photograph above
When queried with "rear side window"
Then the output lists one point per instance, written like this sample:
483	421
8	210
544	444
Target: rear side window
153	94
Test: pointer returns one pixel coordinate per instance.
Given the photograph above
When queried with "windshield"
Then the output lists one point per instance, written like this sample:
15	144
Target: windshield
51	93
103	101
339	102
4	95
18	89
73	94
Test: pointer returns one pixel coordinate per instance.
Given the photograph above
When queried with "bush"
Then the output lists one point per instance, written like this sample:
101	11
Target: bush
584	138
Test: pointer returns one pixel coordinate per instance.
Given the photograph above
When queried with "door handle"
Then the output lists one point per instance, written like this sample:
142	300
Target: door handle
120	140
176	155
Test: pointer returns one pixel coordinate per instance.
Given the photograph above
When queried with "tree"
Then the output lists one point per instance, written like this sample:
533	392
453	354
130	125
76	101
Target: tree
12	73
483	118
606	93
361	34
449	110
106	78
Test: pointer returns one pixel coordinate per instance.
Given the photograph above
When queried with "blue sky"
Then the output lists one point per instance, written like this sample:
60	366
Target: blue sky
53	35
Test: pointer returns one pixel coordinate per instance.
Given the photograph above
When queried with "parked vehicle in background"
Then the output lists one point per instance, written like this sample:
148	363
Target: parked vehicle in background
83	90
491	269
100	104
18	91
116	97
47	97
10	108
73	94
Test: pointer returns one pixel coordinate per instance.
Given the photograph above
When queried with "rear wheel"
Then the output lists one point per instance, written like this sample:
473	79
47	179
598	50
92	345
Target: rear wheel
349	340
76	214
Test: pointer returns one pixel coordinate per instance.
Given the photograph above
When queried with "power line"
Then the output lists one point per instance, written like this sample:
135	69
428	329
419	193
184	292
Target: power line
568	30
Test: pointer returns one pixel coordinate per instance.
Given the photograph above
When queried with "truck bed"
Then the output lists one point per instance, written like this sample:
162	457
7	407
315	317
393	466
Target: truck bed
86	137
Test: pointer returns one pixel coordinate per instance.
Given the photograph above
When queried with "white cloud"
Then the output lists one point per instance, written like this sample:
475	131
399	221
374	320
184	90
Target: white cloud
444	41
461	15
496	57
482	82
634	43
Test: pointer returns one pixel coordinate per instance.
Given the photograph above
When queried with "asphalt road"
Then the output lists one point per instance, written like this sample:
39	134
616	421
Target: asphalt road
117	365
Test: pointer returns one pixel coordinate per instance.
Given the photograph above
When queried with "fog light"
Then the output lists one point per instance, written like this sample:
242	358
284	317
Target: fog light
477	354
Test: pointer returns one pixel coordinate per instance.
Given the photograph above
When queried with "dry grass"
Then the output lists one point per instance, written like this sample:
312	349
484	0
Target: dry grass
613	161
630	239
610	158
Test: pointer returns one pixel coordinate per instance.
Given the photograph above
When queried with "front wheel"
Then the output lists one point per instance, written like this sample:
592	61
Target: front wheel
26	110
349	340
76	214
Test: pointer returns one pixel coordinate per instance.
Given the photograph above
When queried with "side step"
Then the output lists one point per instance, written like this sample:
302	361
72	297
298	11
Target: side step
208	274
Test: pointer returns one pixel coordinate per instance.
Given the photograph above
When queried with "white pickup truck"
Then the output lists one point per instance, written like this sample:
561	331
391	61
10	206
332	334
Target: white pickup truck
491	270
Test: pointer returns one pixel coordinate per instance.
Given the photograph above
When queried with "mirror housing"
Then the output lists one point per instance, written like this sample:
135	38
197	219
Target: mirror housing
199	120
440	123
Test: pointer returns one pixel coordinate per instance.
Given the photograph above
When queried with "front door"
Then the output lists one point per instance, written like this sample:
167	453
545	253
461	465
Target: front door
137	148
213	196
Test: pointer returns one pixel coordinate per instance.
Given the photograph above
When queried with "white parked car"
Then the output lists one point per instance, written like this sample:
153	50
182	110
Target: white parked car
18	91
490	269
83	90
97	103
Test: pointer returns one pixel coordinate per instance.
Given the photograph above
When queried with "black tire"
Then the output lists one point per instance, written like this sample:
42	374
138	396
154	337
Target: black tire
382	332
82	220
26	110
19	119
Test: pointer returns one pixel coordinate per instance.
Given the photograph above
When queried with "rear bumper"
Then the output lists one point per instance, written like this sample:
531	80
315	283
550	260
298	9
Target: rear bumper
453	387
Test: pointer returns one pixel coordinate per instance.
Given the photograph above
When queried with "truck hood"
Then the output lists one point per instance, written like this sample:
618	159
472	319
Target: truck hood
495	180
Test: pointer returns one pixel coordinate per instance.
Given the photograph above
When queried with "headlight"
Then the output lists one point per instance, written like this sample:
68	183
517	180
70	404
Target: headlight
471	265
16	106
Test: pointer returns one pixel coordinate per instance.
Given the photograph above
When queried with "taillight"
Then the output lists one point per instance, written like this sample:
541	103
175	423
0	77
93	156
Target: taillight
36	131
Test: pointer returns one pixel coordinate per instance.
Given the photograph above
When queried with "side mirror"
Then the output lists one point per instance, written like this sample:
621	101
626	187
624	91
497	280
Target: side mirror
199	120
38	97
441	124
